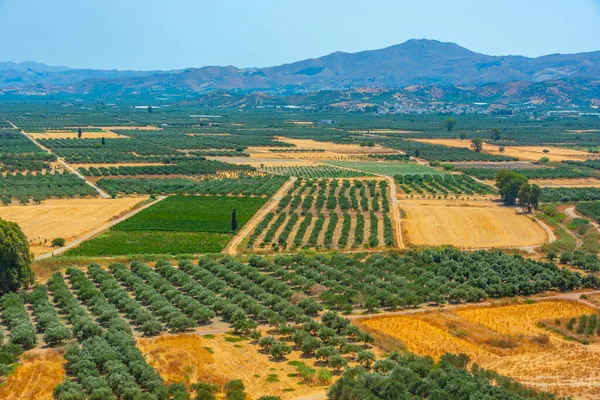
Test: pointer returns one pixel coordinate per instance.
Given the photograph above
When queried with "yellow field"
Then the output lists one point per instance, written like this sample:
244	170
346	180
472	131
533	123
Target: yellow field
191	358
332	147
507	340
73	135
575	183
525	153
468	225
36	376
65	218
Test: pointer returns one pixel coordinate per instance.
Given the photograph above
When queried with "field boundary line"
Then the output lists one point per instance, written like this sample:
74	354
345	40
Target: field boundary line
234	243
423	308
98	231
101	192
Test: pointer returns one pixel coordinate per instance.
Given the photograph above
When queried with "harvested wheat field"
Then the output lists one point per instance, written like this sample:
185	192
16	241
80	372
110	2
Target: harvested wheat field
524	153
36	376
334	147
474	224
73	135
65	218
574	183
190	358
507	340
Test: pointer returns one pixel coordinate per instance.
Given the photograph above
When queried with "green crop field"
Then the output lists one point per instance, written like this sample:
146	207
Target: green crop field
175	225
194	214
116	243
387	168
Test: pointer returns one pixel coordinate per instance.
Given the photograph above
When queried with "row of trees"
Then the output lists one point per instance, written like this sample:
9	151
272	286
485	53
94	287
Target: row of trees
245	185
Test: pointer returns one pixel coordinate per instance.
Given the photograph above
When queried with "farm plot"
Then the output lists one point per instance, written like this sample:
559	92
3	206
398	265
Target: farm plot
441	185
217	359
244	184
566	183
74	135
331	147
386	168
102	311
317	171
570	194
67	219
468	224
506	339
340	214
524	153
176	225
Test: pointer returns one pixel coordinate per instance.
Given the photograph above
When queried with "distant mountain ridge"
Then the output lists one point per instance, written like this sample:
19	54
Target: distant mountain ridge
415	62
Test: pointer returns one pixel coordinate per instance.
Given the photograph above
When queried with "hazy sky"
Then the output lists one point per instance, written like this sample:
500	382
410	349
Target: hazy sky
171	34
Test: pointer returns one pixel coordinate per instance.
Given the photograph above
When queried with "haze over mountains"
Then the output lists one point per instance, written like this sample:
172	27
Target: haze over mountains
415	62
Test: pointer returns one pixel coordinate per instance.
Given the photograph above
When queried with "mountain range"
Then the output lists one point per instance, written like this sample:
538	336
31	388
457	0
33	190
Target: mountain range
415	62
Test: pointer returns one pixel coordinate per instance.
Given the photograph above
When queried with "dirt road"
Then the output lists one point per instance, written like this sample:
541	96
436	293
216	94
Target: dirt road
98	231
571	213
256	218
101	192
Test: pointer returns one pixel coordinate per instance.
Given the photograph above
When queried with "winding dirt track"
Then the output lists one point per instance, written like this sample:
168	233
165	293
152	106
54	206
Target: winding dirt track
571	213
256	218
101	192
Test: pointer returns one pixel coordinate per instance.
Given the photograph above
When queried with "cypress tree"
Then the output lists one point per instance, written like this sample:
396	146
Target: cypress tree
234	223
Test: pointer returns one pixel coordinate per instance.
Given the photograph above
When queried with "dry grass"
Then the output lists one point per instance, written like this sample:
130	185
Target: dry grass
506	339
574	183
65	218
474	224
331	147
526	153
36	376
191	358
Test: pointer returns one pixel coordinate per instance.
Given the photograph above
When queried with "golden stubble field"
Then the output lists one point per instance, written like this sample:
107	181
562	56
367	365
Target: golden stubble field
213	359
64	218
524	153
36	376
506	339
468	224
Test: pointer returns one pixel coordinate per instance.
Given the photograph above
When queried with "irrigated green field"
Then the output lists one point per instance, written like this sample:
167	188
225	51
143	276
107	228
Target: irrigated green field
176	225
194	214
118	243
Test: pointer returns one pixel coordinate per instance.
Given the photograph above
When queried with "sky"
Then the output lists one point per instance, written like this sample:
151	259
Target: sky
175	34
